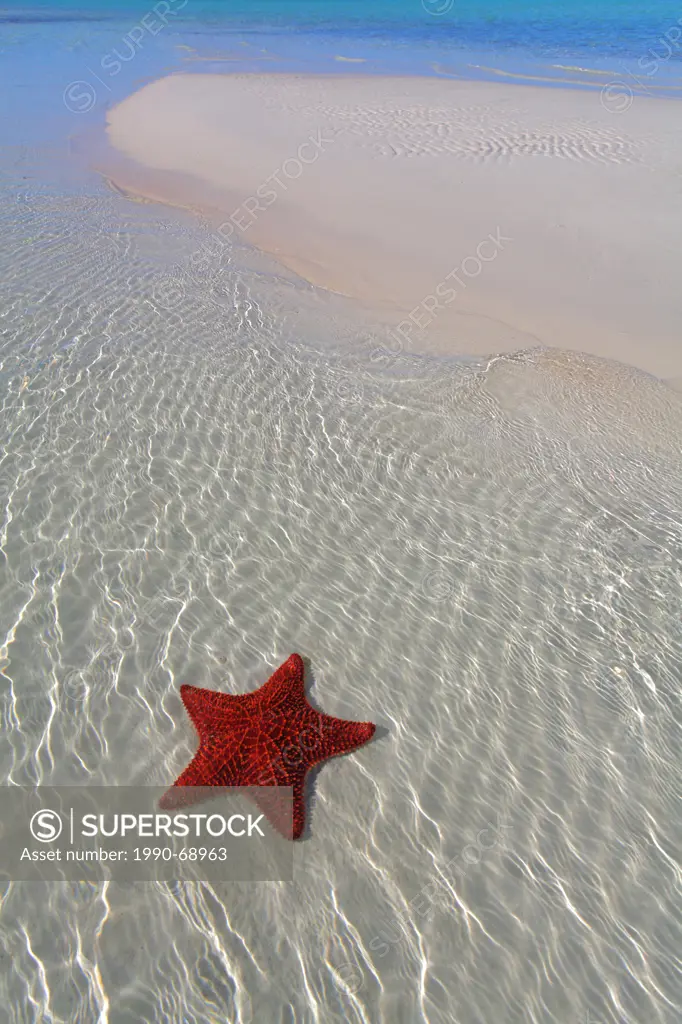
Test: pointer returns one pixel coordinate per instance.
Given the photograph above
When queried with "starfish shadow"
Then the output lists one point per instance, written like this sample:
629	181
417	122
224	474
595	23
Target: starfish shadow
311	778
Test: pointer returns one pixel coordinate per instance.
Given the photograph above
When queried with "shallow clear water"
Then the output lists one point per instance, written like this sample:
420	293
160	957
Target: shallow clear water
202	474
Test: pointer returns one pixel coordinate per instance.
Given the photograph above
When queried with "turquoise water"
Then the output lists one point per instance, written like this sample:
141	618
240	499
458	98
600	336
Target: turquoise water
462	37
621	27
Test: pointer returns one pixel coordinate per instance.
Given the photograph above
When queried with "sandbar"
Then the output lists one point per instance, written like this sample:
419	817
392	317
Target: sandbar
473	217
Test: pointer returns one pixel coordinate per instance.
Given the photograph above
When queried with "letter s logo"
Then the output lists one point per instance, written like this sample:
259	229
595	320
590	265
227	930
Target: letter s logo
46	826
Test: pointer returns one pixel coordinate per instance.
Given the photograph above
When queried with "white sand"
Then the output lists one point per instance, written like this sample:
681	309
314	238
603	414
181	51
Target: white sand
408	181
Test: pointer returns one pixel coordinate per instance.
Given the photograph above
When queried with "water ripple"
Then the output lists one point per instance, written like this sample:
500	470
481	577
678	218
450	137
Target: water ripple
484	557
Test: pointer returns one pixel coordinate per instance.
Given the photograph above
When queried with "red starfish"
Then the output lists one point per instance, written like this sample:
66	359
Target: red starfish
271	737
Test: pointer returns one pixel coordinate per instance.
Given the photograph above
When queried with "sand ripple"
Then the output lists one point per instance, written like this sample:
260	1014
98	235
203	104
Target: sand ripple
479	134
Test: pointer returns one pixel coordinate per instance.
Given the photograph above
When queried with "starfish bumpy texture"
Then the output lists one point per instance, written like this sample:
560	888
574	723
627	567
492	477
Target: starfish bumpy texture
271	737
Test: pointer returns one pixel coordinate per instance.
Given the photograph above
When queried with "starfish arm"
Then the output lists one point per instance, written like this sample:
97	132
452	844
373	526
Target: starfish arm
208	709
287	816
285	685
201	771
337	736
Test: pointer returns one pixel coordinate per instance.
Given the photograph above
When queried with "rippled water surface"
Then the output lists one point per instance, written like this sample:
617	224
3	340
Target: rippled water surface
203	472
